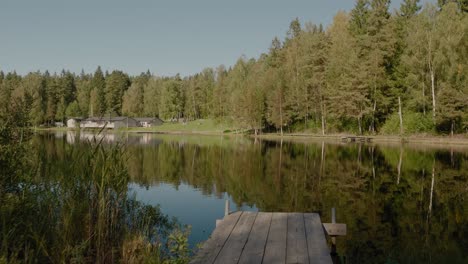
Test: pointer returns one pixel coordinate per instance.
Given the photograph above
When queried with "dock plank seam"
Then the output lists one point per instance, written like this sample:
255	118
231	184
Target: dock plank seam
227	238
248	236
276	245
286	249
266	241
306	238
256	237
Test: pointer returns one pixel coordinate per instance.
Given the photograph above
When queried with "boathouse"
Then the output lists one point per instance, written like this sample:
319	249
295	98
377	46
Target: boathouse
109	122
74	122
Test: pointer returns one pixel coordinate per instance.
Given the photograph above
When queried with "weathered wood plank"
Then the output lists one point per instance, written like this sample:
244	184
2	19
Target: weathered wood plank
215	243
316	242
296	247
334	229
275	249
233	247
255	246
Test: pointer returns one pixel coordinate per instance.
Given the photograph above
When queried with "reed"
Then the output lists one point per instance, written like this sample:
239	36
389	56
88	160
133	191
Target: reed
79	211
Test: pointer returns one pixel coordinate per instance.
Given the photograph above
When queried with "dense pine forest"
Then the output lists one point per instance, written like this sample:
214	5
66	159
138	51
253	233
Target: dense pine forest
372	71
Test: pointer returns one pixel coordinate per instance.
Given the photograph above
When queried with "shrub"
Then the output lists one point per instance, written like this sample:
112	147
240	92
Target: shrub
413	123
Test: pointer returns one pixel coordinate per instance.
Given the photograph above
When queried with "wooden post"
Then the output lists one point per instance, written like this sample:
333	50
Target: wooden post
333	239
333	230
226	207
401	116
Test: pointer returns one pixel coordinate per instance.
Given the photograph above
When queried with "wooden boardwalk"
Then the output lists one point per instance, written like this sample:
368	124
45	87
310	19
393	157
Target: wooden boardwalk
356	138
251	237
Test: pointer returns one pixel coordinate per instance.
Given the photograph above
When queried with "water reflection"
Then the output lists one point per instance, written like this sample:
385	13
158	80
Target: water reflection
401	204
73	137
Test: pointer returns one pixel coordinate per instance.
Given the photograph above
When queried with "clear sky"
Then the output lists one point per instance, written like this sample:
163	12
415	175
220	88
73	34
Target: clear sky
166	37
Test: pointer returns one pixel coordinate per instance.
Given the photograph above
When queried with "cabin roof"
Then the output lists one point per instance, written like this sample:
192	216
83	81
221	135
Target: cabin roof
108	119
147	119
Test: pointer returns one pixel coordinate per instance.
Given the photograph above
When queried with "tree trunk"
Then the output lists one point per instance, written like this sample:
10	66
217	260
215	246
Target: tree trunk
373	116
281	116
323	117
432	188
424	97
322	164
452	128
401	116
400	162
433	96
280	163
429	211
373	170
360	125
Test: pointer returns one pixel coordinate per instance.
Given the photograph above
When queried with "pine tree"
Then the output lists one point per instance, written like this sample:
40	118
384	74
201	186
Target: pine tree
98	84
116	84
347	93
219	98
51	88
9	83
315	52
34	85
277	111
359	18
252	99
83	88
409	8
296	97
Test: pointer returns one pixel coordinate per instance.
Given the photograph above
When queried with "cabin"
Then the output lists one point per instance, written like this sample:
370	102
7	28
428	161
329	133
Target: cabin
109	122
74	122
149	121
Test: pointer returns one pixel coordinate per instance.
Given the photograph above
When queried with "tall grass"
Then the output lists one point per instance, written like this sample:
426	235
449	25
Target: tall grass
78	209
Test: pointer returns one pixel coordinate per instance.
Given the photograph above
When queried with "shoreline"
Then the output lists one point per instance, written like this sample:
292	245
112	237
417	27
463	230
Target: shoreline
411	139
460	139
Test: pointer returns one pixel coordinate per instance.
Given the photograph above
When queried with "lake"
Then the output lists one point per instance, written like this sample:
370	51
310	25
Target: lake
401	203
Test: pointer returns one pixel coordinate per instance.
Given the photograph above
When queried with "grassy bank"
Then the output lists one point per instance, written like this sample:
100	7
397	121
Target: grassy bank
411	139
214	127
52	129
201	126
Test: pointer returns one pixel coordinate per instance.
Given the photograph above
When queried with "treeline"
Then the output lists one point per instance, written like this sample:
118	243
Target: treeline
370	71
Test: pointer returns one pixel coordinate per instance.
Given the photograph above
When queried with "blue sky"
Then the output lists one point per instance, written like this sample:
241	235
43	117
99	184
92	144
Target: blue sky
166	37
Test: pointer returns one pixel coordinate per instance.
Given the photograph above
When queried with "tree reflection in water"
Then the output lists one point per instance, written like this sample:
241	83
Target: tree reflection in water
402	204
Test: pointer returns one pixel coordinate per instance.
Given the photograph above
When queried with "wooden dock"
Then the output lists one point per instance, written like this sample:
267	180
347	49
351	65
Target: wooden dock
256	237
356	139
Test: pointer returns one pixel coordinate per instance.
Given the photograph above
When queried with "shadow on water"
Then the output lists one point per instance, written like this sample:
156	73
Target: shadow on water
401	204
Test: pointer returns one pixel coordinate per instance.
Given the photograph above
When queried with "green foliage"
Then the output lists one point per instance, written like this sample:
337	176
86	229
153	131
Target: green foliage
348	76
409	8
171	101
98	86
382	191
413	123
73	110
133	104
178	247
76	210
116	84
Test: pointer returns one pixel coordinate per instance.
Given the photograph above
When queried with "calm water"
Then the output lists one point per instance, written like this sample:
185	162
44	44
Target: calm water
402	204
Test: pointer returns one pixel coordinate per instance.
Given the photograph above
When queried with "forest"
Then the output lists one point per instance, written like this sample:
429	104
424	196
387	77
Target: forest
371	71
